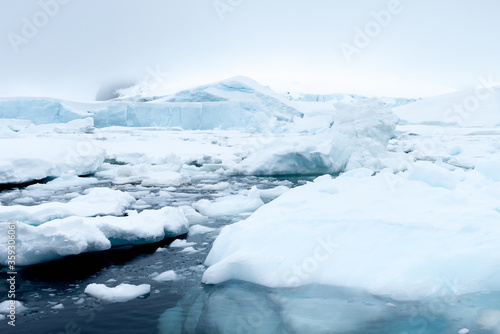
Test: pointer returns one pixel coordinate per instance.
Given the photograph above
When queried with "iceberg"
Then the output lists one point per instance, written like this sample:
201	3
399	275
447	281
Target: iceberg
400	235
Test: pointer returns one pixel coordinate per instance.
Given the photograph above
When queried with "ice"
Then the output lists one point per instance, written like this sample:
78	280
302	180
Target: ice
190	250
178	243
58	307
490	169
489	320
96	201
4	307
166	276
119	294
231	205
200	229
238	307
272	193
237	103
25	159
358	138
216	187
74	235
389	234
478	107
147	175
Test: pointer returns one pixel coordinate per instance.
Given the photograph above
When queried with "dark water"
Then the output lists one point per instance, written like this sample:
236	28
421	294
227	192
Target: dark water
42	286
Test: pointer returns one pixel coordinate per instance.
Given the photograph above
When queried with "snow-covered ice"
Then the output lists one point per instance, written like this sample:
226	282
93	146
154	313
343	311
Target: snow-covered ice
74	235
95	201
404	235
229	205
166	276
119	294
26	159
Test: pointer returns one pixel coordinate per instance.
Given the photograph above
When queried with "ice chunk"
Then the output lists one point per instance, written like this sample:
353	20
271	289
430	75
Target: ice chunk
231	205
166	276
7	305
25	159
200	229
75	235
119	294
387	234
178	243
96	201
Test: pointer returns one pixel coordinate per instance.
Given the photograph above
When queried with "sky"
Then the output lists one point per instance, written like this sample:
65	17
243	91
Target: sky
407	48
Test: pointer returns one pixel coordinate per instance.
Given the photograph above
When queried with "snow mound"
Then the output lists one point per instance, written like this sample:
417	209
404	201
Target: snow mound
74	235
119	294
28	159
96	201
387	234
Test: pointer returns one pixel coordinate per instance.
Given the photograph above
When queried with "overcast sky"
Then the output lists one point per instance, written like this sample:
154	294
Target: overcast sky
422	48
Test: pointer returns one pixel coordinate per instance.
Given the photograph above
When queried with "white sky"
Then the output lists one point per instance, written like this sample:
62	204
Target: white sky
431	47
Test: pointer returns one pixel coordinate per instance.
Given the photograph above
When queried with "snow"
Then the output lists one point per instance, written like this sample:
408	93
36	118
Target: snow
96	201
390	234
200	229
178	243
358	138
25	159
231	205
4	307
147	175
119	294
189	250
166	276
477	107
237	103
74	235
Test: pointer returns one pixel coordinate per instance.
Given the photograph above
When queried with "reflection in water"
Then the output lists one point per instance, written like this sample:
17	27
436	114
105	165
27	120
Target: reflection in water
245	308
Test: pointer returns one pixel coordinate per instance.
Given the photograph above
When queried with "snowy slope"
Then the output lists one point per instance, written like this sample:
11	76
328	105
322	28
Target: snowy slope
479	107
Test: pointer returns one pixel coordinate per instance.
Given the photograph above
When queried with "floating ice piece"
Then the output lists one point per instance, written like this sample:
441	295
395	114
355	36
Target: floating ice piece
25	159
200	229
7	305
387	234
189	250
166	276
119	294
231	205
96	201
74	235
178	243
